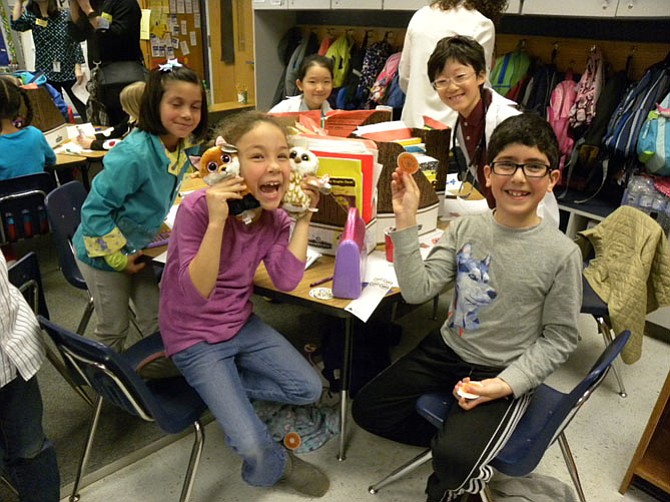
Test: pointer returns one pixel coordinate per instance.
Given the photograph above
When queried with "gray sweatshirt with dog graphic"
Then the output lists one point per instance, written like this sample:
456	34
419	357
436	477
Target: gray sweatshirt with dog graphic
517	293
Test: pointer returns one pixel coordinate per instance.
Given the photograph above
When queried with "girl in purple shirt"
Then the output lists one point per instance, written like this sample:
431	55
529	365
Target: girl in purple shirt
224	351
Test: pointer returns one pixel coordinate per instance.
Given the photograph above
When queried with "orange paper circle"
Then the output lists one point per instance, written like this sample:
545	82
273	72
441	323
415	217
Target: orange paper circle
292	440
408	163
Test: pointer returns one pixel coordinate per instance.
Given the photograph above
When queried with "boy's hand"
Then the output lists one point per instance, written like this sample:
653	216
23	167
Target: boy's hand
487	390
218	195
83	141
405	197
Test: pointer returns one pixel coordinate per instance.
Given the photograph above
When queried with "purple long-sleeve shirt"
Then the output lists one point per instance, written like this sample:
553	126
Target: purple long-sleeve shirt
185	316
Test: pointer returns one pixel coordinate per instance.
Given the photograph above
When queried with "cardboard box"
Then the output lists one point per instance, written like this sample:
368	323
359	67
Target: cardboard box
57	135
426	218
324	237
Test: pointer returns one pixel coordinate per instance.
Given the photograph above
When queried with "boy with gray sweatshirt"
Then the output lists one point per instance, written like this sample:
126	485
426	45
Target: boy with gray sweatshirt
511	323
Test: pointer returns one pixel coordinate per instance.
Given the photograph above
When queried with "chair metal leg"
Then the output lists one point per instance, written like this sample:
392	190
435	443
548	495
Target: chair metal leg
401	471
57	363
436	302
83	461
606	332
572	467
9	485
86	317
194	461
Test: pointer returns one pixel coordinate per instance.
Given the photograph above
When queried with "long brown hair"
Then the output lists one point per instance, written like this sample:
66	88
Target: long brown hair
11	97
493	9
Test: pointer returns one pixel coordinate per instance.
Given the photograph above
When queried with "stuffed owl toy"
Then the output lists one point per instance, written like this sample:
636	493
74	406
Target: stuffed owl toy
219	162
303	163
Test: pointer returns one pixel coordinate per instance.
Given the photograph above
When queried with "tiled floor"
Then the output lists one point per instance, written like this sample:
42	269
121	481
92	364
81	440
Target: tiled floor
603	437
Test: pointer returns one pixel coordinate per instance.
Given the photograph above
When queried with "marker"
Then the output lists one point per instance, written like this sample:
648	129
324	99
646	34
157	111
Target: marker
321	281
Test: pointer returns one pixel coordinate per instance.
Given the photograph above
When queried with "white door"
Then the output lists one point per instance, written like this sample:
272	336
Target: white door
405	4
269	4
643	8
309	4
583	8
513	7
357	4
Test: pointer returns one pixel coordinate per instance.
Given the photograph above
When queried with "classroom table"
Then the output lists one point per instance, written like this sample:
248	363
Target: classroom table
83	160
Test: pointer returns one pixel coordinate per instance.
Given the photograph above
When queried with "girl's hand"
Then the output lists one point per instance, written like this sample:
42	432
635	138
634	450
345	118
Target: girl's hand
487	390
405	195
218	195
311	189
134	263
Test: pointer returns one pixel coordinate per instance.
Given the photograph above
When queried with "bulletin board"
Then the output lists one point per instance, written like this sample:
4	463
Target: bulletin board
175	31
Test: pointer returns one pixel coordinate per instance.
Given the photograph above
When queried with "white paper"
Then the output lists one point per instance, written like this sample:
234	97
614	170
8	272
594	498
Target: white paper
371	296
312	256
194	40
184	48
391	125
377	266
79	90
161	258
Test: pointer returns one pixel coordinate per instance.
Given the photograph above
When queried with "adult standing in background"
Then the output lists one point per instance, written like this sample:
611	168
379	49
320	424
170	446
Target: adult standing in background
57	54
111	29
442	18
26	455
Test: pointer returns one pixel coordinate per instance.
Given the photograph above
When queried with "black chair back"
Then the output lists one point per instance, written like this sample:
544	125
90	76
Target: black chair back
25	275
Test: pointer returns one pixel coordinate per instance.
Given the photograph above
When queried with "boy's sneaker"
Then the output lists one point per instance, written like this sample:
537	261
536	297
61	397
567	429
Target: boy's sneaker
304	477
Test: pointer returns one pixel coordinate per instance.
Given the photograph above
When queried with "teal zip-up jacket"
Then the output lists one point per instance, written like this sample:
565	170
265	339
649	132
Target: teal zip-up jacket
130	198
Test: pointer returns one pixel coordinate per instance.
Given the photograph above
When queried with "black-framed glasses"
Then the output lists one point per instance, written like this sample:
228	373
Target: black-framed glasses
530	169
443	83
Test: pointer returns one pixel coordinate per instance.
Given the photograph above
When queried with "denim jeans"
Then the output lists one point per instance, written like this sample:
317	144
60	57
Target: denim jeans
26	455
258	363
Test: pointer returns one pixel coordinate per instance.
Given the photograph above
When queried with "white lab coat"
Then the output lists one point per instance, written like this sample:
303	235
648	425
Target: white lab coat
296	104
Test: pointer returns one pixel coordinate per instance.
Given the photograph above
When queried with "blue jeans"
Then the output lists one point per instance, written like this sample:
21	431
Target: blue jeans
26	455
258	363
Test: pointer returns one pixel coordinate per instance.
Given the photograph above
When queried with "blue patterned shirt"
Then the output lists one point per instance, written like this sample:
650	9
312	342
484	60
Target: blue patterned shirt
52	43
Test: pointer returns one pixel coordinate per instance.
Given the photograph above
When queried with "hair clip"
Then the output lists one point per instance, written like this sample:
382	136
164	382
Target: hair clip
170	65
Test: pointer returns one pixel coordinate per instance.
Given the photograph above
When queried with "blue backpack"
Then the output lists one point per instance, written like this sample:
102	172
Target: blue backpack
624	127
653	146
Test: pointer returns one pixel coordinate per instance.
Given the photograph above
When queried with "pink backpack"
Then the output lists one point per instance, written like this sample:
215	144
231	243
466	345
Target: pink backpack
588	90
383	80
558	115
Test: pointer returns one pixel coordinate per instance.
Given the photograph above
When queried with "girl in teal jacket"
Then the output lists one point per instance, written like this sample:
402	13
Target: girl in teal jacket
130	199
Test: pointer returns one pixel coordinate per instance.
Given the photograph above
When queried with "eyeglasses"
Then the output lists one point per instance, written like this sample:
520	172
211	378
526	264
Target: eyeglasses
530	169
443	83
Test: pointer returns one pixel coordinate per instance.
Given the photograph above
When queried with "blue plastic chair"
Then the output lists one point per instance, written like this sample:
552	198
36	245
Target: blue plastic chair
64	212
25	275
545	420
170	402
593	305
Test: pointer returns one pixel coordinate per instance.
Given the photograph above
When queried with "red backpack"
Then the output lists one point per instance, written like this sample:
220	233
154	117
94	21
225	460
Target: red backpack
383	80
558	115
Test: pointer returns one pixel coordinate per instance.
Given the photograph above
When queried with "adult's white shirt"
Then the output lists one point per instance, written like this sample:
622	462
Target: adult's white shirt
427	27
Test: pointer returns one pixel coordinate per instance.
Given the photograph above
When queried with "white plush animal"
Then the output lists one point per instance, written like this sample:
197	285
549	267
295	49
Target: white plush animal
303	163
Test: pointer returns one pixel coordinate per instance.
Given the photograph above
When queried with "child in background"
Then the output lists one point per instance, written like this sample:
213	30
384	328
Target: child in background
225	352
131	97
457	71
23	148
130	199
315	80
512	321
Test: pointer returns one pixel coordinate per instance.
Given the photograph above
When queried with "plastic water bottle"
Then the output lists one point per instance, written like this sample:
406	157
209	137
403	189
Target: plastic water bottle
645	194
632	192
11	226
